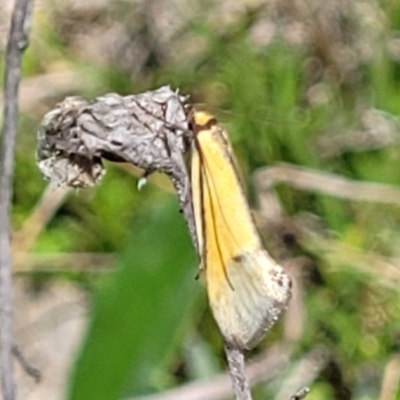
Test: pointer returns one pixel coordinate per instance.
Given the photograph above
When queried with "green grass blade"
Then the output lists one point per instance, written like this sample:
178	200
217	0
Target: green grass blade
139	313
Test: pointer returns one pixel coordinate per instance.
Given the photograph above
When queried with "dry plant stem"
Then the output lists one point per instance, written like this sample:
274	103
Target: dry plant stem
264	368
48	204
236	363
17	43
326	183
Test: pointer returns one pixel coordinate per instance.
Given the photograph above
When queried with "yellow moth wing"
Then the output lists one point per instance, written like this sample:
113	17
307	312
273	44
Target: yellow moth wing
247	290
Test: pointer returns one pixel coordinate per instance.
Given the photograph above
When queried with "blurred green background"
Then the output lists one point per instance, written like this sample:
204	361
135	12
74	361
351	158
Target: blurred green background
314	84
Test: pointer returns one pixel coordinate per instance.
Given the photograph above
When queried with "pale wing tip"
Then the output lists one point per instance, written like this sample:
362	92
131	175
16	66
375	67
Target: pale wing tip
251	300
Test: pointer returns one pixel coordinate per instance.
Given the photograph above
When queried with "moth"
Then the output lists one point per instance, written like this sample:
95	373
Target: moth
247	290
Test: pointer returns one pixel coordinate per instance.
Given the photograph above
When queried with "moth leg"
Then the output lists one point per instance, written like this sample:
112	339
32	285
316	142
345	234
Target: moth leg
143	179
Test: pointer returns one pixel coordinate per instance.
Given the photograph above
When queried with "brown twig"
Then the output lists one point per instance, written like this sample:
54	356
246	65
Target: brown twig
326	183
17	43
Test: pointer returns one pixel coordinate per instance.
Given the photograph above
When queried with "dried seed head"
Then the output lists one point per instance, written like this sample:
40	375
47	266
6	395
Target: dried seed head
149	130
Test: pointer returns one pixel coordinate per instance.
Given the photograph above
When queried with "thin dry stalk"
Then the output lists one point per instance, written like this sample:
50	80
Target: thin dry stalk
17	43
326	183
48	204
236	363
263	369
